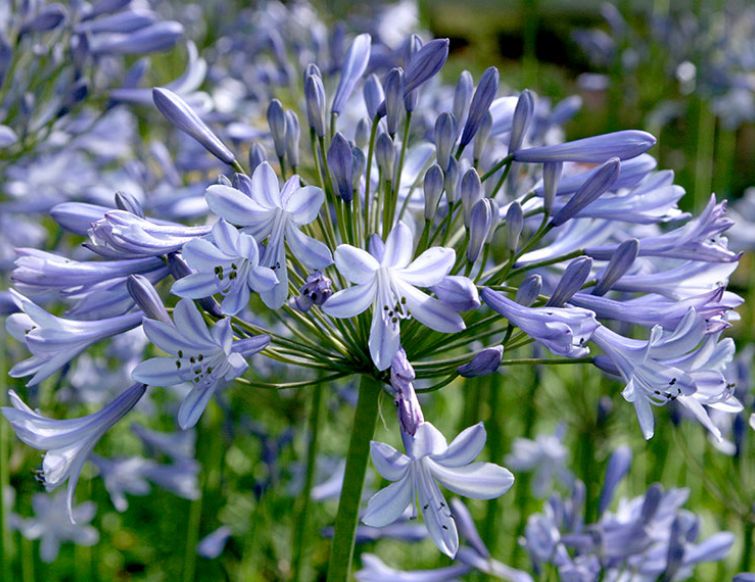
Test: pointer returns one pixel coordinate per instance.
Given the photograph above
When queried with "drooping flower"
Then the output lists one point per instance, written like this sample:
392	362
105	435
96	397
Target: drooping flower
230	267
387	279
545	457
276	214
67	443
429	461
206	358
563	330
55	341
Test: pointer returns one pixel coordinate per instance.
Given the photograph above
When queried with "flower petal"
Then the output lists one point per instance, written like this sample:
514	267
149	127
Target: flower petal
464	448
399	247
384	340
157	372
357	265
236	207
428	440
190	324
226	237
265	187
430	311
309	251
303	204
193	405
196	286
262	279
350	301
429	268
478	480
387	505
389	462
202	255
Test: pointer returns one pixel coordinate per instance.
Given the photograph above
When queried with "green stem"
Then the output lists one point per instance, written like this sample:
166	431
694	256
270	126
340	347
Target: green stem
365	418
744	565
300	531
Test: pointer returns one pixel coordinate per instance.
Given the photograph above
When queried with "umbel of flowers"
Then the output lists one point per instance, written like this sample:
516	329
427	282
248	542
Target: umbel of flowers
421	234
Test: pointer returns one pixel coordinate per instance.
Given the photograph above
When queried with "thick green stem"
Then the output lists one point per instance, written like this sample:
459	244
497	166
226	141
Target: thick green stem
351	493
300	531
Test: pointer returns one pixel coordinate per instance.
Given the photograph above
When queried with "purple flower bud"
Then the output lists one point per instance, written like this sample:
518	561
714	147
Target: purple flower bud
376	247
359	163
385	153
620	144
257	156
621	260
462	97
484	362
242	183
483	97
77	217
179	269
276	119
314	95
471	192
315	291
362	134
529	290
451	180
426	63
514	225
373	96
404	396
293	133
158	37
147	298
481	222
106	7
223	180
127	202
459	293
341	164
48	18
551	176
525	107
183	117
575	275
433	188
618	467
445	138
353	68
593	188
393	85
483	133
123	22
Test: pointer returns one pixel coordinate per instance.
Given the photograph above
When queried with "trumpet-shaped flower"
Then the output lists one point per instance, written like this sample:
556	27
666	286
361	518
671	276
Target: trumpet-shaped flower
387	279
276	214
430	460
67	443
230	267
55	341
206	358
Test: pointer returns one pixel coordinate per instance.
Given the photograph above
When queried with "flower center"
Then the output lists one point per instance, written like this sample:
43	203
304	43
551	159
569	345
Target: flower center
391	303
198	368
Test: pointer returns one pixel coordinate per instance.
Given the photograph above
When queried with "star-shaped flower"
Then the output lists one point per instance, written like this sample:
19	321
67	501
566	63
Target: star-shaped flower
387	279
431	459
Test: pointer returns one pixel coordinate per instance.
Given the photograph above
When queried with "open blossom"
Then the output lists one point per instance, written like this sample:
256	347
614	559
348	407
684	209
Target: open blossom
229	265
275	214
55	341
670	366
52	525
387	279
206	358
67	443
431	460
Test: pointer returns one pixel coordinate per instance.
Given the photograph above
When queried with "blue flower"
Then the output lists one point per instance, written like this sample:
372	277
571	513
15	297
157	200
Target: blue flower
431	459
546	457
353	68
206	358
389	283
230	266
55	341
276	214
67	443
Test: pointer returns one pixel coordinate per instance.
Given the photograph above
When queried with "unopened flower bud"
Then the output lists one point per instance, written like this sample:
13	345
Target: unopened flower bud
471	192
483	97
314	95
459	293
362	134
462	97
293	133
257	155
425	63
276	119
551	176
451	180
359	163
481	139
621	261
433	189
341	165
445	138
385	153
514	225
393	86
575	275
315	291
481	220
373	96
147	298
405	398
529	290
129	203
525	107
484	362
593	188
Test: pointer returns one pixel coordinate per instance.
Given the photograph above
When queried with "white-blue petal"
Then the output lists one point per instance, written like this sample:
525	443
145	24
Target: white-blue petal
309	251
430	268
478	480
357	265
464	448
387	505
350	301
399	247
389	462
